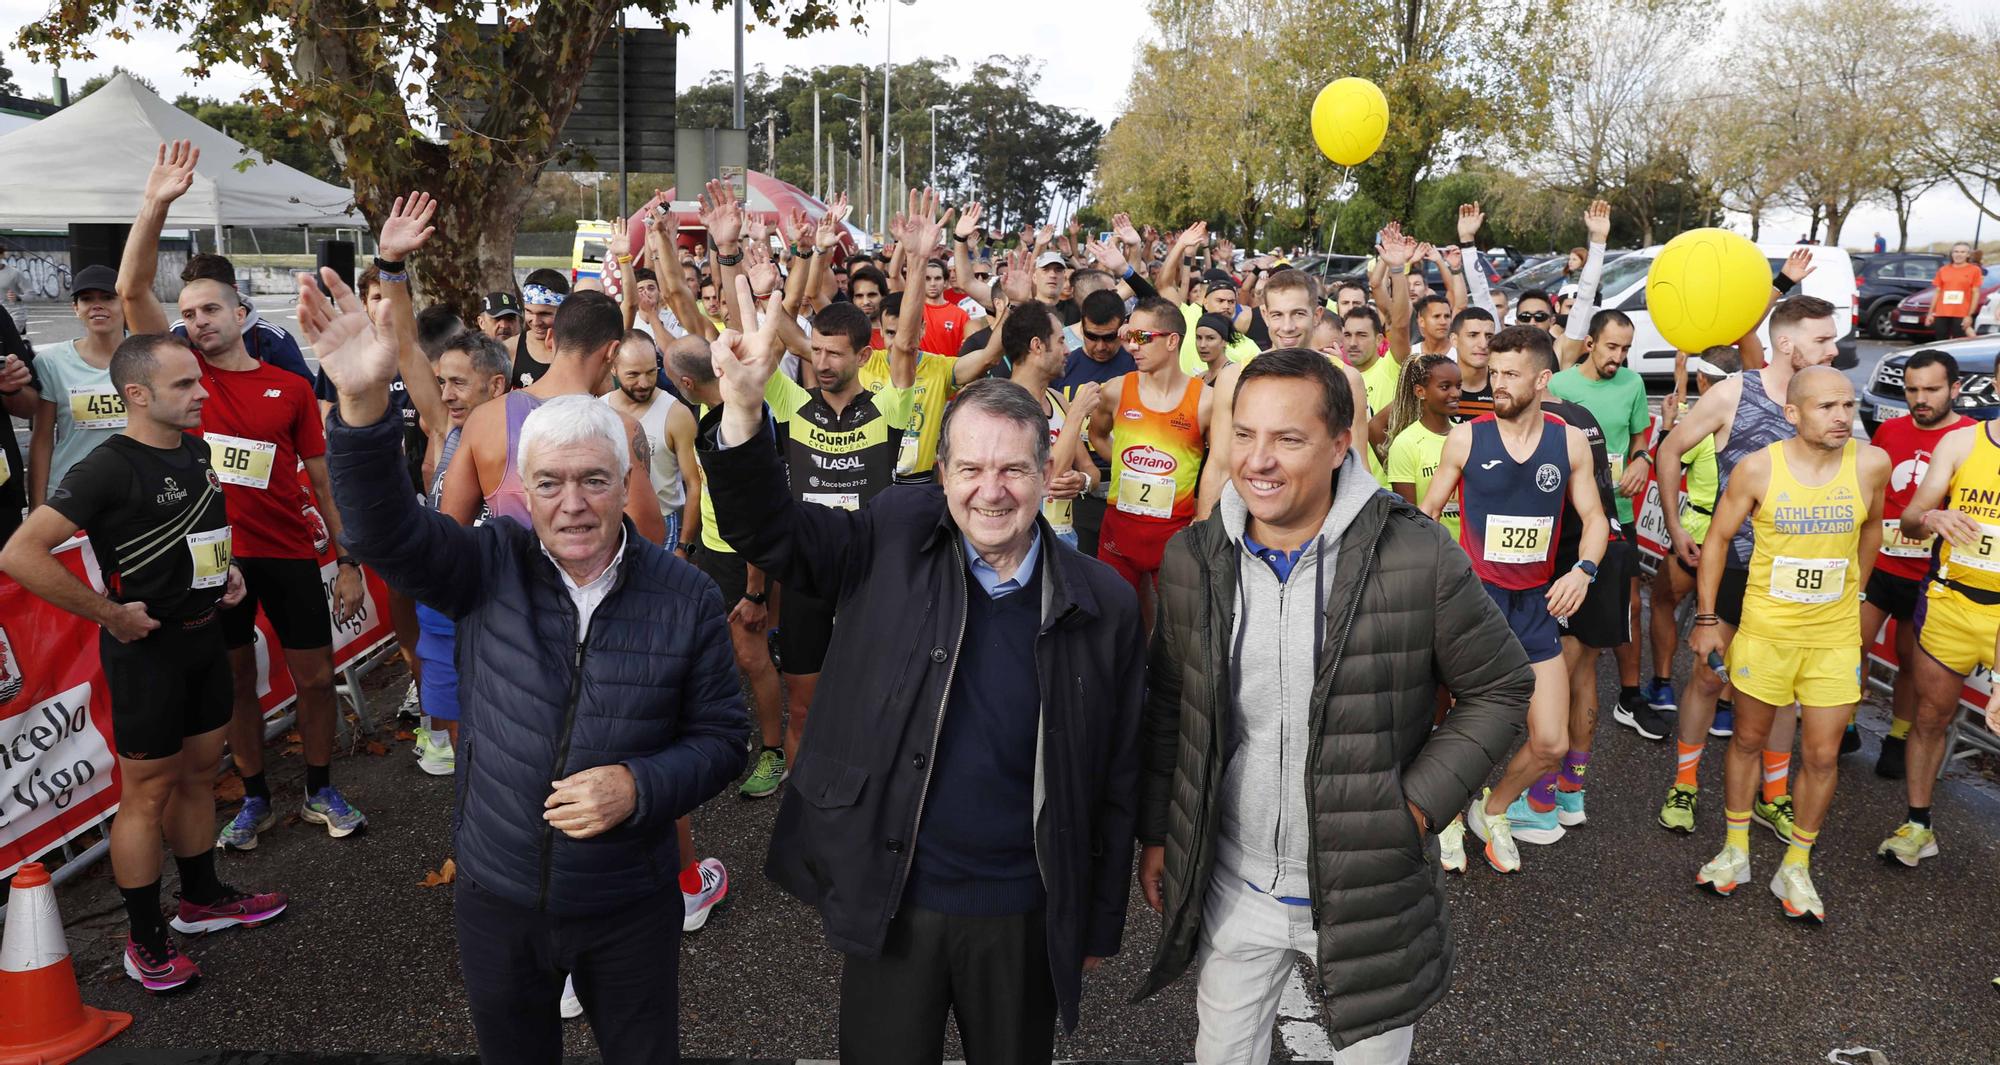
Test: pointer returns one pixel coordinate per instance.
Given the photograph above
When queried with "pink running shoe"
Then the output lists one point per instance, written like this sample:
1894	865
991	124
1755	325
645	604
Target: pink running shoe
234	908
158	972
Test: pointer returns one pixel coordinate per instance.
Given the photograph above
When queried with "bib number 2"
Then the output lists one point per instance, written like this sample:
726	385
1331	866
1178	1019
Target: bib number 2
1145	494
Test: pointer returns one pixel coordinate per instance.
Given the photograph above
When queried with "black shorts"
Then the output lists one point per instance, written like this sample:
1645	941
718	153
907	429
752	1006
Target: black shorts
1604	619
1950	328
805	628
293	597
728	570
1527	613
173	684
1896	596
1729	600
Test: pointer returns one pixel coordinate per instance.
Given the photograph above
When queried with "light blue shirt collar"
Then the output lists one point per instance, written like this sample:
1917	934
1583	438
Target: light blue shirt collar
989	578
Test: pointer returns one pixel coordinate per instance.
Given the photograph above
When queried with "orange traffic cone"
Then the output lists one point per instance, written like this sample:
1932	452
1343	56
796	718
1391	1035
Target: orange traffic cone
43	1020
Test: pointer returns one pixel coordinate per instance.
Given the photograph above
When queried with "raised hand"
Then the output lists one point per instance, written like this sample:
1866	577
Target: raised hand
899	224
924	230
408	226
1225	253
173	173
351	355
1454	260
1193	236
826	232
1109	257
744	362
1121	227
1597	221
720	214
758	267
756	232
1470	219
968	220
1798	264
1396	249
1017	275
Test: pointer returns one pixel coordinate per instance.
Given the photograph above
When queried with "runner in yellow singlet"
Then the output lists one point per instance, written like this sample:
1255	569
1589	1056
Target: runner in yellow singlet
1959	616
1815	502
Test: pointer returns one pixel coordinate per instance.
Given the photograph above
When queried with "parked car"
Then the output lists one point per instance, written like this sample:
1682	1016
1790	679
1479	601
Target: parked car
1623	287
1913	313
1883	398
1331	268
1887	279
1547	275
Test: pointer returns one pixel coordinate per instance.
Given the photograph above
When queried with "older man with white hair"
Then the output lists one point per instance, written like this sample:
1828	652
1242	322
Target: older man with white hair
591	658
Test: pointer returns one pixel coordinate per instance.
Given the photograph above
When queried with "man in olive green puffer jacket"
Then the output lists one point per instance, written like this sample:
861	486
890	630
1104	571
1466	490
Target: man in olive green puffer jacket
1292	777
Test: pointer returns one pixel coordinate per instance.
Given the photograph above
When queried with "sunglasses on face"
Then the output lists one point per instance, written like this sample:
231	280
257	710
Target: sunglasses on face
1534	317
1138	337
981	275
1102	338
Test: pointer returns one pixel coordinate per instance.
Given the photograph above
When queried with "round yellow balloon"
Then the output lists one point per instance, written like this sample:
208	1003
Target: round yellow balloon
1708	287
1349	119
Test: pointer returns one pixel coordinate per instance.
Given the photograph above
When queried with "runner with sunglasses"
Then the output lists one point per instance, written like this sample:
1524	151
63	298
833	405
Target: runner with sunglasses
1535	308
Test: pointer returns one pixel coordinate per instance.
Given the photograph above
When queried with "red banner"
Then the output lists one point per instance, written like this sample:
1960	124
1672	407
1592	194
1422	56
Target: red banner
57	773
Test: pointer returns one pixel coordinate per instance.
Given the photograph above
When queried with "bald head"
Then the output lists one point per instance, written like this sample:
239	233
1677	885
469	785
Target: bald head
1814	380
1820	402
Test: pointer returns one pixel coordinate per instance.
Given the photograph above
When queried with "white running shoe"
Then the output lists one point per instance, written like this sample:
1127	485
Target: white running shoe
714	888
572	1007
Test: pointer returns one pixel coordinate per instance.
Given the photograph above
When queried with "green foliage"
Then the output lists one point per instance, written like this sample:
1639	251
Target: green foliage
7	84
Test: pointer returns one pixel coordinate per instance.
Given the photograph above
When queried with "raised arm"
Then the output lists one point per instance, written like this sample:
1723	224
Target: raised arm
904	351
722	216
1597	224
961	255
172	176
407	229
673	278
1171	283
1451	267
1709	414
1397	251
1470	218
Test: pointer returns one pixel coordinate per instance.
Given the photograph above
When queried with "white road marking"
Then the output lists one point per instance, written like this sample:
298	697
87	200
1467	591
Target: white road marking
1299	1025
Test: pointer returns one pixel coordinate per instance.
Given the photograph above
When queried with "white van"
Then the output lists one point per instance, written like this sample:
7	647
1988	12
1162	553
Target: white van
1623	288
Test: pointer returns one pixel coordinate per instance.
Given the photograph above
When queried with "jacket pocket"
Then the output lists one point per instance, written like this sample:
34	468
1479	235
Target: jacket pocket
1412	838
827	784
464	773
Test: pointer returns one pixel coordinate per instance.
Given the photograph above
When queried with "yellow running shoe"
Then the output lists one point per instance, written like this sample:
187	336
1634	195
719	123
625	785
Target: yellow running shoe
1497	833
1911	844
1725	872
1451	846
1678	814
1775	815
1794	887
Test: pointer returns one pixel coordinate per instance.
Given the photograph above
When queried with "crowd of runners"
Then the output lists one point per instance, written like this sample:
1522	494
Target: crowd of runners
173	444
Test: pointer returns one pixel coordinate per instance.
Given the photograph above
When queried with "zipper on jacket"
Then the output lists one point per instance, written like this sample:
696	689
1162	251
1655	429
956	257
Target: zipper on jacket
1319	726
562	763
930	761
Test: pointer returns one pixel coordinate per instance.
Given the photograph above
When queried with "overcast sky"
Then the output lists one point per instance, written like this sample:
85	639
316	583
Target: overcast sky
1087	49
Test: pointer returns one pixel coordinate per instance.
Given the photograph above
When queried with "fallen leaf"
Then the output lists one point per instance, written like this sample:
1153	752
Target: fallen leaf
229	788
377	748
404	735
443	875
294	748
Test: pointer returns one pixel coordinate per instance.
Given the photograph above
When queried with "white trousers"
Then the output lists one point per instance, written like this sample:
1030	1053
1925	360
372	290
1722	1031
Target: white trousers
1250	944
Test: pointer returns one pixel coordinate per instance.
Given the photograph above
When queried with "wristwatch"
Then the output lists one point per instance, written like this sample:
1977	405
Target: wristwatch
760	598
687	547
347	560
1588	567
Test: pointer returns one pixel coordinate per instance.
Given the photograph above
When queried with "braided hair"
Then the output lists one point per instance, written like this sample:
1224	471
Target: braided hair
1408	409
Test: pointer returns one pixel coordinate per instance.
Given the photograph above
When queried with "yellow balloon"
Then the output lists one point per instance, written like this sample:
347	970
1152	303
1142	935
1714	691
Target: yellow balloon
1349	119
1708	287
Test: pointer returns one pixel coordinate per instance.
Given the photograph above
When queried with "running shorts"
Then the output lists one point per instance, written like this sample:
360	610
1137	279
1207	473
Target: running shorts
1134	546
1896	596
293	598
172	684
1527	612
1605	618
728	570
1729	600
805	629
437	649
1955	630
1778	674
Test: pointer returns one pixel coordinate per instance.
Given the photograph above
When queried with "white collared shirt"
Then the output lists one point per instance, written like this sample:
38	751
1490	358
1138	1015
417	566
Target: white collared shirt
587	596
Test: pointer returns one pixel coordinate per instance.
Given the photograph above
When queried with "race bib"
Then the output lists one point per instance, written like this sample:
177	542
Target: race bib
1984	555
211	557
1896	545
6	471
1808	580
1953	298
1061	514
1518	540
92	408
1617	468
1146	494
836	500
906	454
246	463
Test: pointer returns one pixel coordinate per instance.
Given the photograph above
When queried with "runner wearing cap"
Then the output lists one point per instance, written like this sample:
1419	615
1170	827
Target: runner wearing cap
79	408
500	316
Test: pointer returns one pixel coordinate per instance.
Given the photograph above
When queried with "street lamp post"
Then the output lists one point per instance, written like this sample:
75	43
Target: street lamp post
862	202
934	109
888	65
816	186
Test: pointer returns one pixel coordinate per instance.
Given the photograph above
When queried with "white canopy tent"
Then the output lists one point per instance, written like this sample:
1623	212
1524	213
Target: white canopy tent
89	161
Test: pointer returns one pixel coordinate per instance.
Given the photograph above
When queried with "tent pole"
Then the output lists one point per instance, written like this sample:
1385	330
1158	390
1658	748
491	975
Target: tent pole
219	249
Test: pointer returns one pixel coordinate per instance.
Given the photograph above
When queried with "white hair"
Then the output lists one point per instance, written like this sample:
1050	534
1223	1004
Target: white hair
568	421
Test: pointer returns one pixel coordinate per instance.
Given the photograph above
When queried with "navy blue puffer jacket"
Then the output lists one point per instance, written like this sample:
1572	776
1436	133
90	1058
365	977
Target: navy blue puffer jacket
652	686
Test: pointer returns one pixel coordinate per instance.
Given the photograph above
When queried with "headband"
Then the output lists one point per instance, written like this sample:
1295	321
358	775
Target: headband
541	294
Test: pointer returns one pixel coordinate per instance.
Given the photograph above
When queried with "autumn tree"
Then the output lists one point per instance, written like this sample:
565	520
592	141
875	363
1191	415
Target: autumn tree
7	85
462	100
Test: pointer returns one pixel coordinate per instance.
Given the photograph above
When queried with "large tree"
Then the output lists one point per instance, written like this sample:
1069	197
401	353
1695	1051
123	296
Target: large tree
409	95
7	85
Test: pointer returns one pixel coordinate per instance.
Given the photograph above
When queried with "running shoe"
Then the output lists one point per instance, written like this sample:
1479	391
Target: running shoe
1529	826
437	759
1794	887
240	834
714	888
1569	808
329	807
232	909
1678	814
1775	815
572	1006
768	774
1659	694
159	972
1889	764
413	705
1911	844
1725	721
1451	846
1496	833
1725	872
1639	716
1850	740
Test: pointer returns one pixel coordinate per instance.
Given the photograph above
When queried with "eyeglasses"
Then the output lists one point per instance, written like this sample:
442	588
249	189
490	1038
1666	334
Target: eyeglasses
1102	338
1137	337
1534	317
981	276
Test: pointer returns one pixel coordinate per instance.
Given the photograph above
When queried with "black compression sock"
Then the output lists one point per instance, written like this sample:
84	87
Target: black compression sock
255	788
1921	815
317	777
1627	694
142	906
198	881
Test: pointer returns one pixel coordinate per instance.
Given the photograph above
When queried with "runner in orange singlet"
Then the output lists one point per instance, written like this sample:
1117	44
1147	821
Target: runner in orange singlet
1154	438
